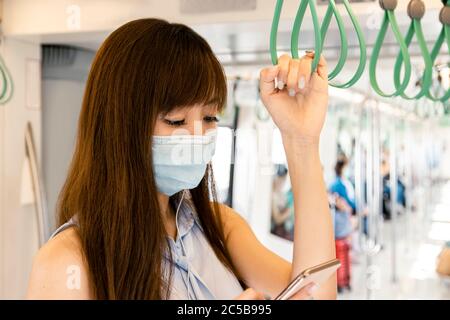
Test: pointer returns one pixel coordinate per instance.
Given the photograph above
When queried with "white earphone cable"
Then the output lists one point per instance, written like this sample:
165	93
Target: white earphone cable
182	245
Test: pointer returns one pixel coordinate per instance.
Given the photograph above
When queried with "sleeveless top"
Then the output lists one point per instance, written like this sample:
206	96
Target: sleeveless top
197	273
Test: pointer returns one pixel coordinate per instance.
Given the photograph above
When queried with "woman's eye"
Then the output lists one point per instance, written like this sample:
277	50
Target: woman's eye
211	119
174	122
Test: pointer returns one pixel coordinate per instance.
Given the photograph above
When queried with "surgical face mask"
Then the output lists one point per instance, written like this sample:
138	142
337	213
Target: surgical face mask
179	161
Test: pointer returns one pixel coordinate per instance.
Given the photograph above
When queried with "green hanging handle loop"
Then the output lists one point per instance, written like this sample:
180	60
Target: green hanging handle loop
444	35
274	31
4	83
416	11
362	48
332	10
6	79
389	18
344	43
296	30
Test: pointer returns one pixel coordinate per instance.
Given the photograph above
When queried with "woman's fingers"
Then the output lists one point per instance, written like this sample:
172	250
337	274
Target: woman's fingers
284	64
305	293
267	80
322	66
292	80
250	294
295	74
304	73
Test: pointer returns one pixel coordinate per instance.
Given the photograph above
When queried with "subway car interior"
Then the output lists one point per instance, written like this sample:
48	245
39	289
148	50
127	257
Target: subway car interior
384	146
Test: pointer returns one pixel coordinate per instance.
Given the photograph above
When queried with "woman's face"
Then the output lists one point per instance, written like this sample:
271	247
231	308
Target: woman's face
191	120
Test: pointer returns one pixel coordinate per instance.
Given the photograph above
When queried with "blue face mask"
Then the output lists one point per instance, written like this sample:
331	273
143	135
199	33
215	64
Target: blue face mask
179	161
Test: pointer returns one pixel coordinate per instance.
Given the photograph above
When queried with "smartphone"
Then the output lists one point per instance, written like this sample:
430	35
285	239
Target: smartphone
317	274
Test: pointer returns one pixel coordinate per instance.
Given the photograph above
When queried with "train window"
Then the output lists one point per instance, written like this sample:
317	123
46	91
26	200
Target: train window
278	154
282	202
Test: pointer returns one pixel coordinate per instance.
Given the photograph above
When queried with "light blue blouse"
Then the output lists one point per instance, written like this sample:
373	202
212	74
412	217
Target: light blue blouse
197	273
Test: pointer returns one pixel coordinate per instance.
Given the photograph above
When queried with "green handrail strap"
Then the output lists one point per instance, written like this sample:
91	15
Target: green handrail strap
7	90
332	10
444	35
296	31
389	19
416	11
4	83
344	43
274	31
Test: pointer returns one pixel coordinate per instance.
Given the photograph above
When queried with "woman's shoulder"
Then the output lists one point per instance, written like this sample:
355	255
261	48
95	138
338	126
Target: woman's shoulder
66	244
59	270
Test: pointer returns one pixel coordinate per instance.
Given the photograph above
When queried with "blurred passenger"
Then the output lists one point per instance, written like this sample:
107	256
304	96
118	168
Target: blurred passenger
282	206
401	198
343	192
342	185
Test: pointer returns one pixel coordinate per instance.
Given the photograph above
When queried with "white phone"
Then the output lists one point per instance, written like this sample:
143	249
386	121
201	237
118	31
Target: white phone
317	274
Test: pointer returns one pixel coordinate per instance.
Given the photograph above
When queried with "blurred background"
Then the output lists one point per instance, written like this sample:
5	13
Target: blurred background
386	161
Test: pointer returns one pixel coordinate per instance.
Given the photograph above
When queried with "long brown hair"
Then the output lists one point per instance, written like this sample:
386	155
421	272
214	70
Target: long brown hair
144	68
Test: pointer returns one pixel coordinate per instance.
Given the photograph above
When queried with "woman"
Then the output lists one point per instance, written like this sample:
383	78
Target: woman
138	222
